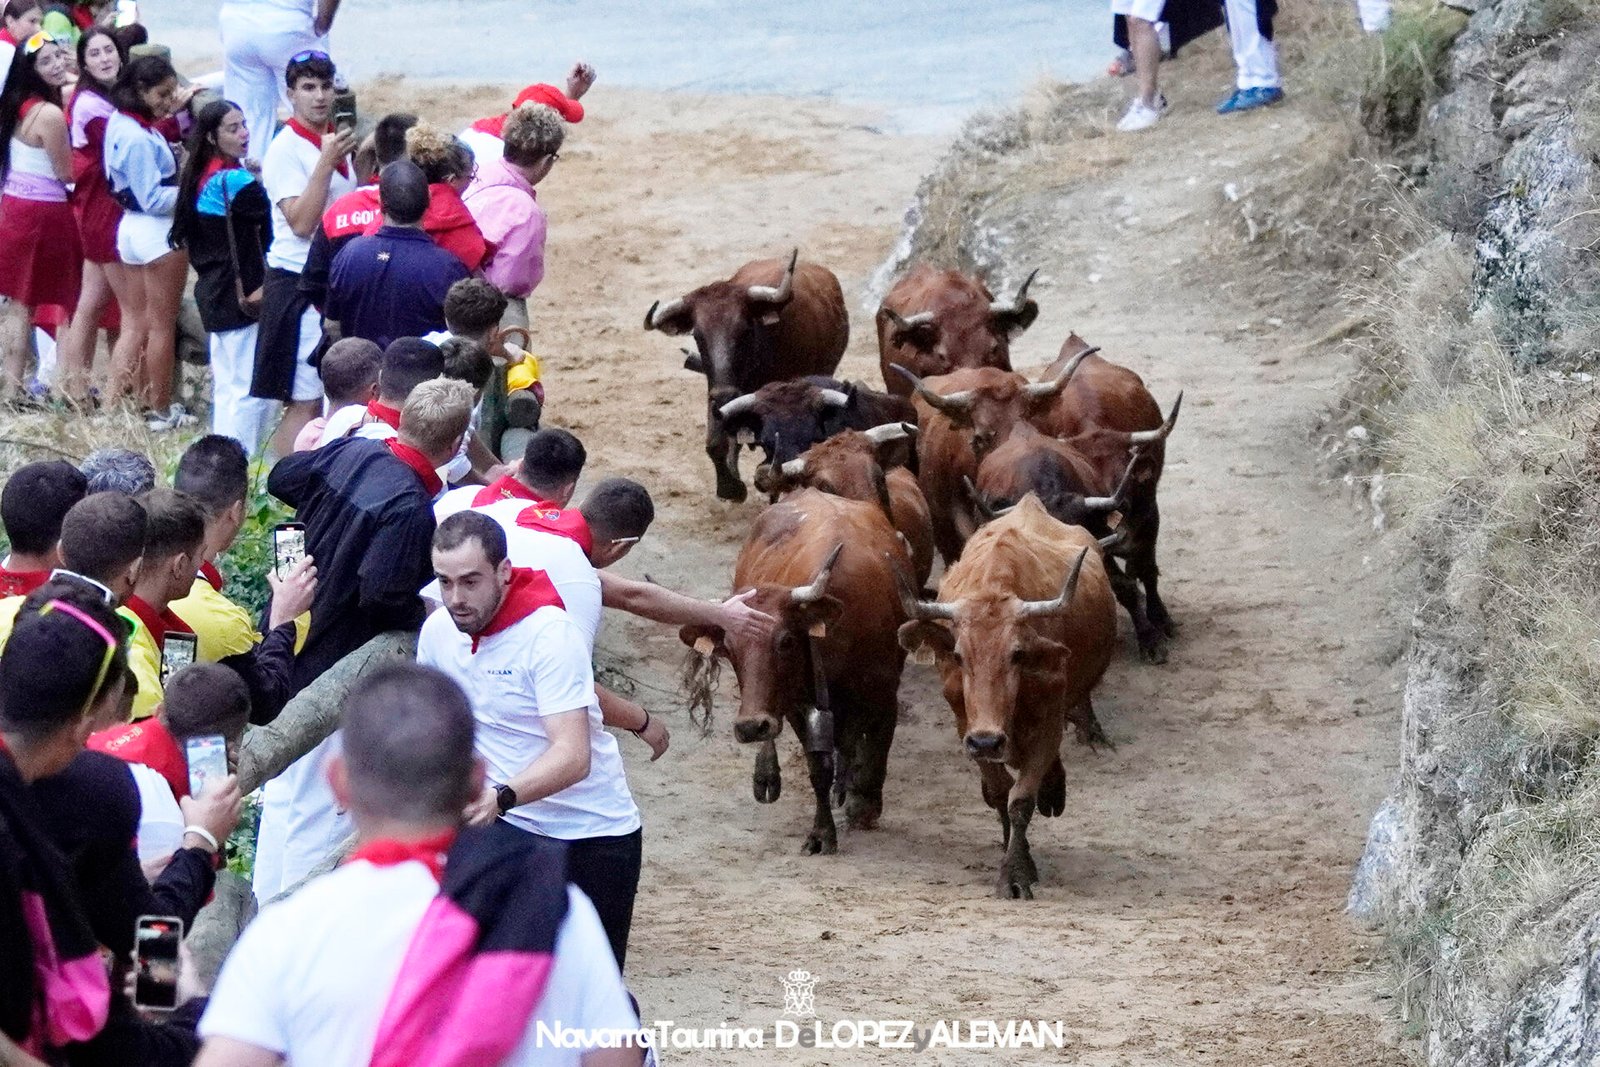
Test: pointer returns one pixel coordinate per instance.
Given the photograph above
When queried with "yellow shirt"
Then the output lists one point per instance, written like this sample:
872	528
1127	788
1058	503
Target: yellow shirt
8	616
222	628
144	659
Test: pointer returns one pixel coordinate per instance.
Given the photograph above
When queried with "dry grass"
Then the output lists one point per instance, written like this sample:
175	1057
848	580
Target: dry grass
72	436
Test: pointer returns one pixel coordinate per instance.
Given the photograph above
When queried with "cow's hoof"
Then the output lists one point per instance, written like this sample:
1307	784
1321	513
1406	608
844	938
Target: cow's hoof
767	787
1165	624
1053	791
825	842
734	492
863	812
1154	650
1013	889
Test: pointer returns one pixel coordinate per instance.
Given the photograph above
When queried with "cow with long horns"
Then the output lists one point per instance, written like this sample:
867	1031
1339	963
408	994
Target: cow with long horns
783	419
939	321
770	322
828	570
1021	633
866	465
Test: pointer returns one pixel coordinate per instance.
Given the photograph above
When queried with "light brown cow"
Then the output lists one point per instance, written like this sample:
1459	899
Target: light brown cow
939	321
1022	631
828	570
866	465
768	323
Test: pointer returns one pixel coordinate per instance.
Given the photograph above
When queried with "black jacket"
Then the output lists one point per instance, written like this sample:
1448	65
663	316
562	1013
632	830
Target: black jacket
369	526
206	237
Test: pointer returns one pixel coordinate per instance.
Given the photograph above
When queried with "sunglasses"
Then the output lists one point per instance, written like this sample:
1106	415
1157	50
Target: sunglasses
38	41
308	55
104	634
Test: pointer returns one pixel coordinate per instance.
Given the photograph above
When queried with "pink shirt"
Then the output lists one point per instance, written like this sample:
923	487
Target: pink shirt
508	212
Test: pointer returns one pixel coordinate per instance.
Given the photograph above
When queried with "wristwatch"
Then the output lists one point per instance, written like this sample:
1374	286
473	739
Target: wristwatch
505	797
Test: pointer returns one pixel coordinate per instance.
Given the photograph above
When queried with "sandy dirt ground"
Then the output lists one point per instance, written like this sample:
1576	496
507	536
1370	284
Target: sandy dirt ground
1190	906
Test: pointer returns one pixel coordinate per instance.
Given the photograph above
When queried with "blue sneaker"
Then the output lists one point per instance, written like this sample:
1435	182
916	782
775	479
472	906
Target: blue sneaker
1249	100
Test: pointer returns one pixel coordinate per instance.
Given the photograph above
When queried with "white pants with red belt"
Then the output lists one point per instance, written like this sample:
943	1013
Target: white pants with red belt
1255	57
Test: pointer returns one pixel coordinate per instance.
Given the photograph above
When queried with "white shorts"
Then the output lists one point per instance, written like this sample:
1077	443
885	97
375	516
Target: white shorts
1149	10
142	239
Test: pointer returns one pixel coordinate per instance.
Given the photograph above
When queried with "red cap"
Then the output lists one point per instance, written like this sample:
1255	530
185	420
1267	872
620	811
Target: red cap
550	96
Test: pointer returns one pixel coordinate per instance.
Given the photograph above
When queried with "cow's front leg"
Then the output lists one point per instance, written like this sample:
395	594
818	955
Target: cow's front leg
996	793
865	805
824	837
767	780
724	453
1017	872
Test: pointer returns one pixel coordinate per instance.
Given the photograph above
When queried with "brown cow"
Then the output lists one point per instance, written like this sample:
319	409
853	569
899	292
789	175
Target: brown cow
767	323
962	416
1103	411
862	465
939	321
1022	631
784	419
827	569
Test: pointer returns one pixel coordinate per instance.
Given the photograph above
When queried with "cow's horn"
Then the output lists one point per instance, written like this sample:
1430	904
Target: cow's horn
834	398
975	498
953	404
1034	609
805	594
766	294
890	431
1059	382
1015	307
920	609
1114	541
657	313
1150	437
737	406
795	468
1117	500
901	325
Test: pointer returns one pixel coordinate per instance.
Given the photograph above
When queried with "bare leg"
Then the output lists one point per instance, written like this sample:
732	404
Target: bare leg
76	347
164	281
16	340
296	414
128	285
1145	45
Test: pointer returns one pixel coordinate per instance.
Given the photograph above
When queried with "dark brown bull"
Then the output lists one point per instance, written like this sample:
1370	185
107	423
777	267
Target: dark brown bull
939	321
784	419
767	323
866	465
962	416
1103	411
828	570
1022	631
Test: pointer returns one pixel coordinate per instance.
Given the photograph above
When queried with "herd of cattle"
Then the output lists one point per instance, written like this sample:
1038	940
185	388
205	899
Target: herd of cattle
1039	496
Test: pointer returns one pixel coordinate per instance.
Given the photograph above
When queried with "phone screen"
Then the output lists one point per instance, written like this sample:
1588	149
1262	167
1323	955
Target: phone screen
207	756
155	959
177	652
344	120
288	546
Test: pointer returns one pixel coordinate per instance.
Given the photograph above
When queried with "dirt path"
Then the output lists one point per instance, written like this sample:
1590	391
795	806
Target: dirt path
1190	903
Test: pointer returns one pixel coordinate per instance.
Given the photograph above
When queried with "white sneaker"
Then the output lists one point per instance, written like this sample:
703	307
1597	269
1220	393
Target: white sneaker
173	418
1141	116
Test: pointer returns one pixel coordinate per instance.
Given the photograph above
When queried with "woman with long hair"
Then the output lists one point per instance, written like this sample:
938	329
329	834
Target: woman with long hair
225	221
40	261
19	20
100	60
143	173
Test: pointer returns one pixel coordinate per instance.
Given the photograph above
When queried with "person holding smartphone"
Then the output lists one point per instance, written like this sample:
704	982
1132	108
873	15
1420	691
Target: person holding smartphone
175	533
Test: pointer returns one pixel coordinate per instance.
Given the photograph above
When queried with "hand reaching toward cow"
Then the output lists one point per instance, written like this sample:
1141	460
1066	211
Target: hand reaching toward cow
744	622
579	80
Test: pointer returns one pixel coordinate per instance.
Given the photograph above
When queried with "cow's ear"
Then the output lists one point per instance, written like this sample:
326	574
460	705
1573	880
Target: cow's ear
922	633
823	611
676	322
771	480
924	336
706	640
1012	321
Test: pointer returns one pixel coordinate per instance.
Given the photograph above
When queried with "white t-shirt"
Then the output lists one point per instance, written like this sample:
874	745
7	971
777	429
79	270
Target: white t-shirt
486	147
310	977
341	422
536	667
301	823
562	561
160	819
285	173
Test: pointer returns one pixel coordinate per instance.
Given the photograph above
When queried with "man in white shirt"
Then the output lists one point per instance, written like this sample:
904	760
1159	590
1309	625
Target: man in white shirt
306	168
506	638
258	37
313	979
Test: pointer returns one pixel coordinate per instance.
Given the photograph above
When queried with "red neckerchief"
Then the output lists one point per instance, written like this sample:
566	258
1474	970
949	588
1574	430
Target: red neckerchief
306	134
21	583
506	488
563	522
158	625
213	577
529	591
414	459
149	124
212	169
494	127
384	413
5	36
387	852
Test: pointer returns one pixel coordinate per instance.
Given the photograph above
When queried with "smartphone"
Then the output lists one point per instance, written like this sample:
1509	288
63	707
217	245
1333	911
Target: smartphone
177	652
344	115
288	546
207	756
155	961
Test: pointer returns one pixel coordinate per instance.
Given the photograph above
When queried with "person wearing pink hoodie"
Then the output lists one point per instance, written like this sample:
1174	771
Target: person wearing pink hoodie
503	201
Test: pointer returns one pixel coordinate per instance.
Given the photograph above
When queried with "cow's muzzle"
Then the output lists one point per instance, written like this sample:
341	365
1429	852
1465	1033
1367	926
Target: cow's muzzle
749	731
986	746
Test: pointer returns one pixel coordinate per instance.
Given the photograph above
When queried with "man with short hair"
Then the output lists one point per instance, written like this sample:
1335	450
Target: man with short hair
407	363
367	508
102	541
349	216
349	372
341	968
35	500
393	283
118	470
506	639
201	699
174	537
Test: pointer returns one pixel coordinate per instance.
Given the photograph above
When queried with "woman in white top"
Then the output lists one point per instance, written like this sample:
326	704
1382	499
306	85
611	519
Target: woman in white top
40	261
143	172
19	20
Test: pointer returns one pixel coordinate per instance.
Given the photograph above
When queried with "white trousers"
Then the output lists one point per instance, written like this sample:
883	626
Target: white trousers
1255	57
234	412
256	46
301	823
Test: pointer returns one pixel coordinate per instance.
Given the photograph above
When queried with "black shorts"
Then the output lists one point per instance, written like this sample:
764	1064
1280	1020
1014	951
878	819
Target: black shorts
278	343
